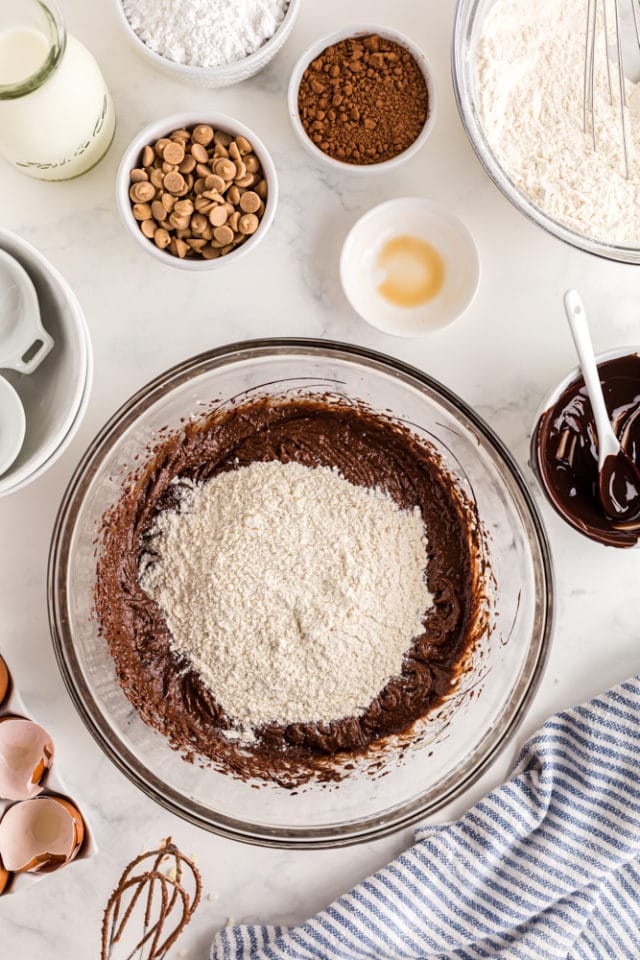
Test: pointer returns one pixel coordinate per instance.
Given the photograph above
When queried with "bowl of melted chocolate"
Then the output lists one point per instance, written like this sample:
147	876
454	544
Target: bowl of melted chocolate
299	592
564	446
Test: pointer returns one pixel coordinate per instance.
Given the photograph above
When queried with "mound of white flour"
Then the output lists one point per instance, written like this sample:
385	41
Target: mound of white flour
293	593
530	61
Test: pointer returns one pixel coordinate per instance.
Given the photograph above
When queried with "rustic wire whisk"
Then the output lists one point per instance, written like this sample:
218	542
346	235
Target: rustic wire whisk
611	29
171	885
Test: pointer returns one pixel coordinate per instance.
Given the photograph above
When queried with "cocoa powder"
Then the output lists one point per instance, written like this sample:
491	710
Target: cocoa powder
363	100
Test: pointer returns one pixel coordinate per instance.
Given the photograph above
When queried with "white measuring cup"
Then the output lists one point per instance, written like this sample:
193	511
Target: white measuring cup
12	425
24	342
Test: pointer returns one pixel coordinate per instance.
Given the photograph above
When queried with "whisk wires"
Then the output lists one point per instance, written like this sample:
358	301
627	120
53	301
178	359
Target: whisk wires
607	11
171	884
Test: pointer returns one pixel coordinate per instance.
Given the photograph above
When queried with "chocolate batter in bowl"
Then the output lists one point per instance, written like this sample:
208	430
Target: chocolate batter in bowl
465	681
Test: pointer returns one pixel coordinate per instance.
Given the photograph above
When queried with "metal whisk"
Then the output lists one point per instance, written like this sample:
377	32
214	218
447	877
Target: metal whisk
607	7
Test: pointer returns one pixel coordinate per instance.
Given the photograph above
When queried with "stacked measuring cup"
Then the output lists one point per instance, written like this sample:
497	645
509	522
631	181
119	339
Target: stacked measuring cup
46	364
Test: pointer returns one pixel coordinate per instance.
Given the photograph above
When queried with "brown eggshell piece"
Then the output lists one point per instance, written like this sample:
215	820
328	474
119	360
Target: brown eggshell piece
4	680
26	753
4	879
40	835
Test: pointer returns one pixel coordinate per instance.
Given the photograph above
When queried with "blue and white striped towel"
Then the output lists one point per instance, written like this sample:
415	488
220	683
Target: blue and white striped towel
547	866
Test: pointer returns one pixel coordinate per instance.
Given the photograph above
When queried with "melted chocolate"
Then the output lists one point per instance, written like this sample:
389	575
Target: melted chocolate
369	450
565	449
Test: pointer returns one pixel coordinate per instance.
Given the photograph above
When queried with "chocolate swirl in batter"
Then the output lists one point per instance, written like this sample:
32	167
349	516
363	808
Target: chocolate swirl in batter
368	450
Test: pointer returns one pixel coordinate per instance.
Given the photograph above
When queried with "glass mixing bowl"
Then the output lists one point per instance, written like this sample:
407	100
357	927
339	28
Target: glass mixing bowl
466	31
451	747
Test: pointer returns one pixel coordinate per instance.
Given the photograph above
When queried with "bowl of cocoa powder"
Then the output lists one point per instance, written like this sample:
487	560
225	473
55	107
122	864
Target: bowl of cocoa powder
362	99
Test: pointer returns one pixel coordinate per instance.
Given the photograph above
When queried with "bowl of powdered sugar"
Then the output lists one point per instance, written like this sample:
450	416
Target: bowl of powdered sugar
211	43
519	75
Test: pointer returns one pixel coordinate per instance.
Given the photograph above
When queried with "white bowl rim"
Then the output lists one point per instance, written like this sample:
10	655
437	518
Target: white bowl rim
57	443
173	122
549	400
344	33
19	420
189	70
435	207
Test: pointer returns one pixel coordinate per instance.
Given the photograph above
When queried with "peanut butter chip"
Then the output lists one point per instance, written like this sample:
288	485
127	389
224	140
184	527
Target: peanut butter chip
137	175
180	223
198	223
214	182
142	192
157	210
248	224
225	169
218	216
202	134
249	202
243	145
149	228
141	211
173	153
161	238
181	248
223	235
199	152
174	182
184	208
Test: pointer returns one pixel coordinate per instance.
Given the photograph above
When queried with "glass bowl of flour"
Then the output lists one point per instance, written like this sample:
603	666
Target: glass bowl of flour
518	72
405	776
208	43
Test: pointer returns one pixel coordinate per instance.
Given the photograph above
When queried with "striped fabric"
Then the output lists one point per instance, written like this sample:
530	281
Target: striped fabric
546	866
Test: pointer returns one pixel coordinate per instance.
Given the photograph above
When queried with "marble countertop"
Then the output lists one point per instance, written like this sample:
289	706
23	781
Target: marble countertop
501	357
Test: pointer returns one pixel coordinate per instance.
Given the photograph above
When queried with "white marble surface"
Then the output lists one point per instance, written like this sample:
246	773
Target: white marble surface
502	356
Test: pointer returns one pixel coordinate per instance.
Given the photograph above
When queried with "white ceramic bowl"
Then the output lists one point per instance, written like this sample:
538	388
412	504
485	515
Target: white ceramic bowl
223	75
160	128
428	221
56	395
310	54
12	425
550	399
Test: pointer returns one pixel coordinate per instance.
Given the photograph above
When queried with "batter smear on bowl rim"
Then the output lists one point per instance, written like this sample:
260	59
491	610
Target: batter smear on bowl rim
287	583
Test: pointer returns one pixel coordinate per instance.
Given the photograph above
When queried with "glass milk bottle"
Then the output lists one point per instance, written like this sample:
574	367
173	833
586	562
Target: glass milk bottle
56	115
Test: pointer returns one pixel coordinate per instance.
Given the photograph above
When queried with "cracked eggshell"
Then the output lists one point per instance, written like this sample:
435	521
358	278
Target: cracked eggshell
26	753
4	879
40	835
4	680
